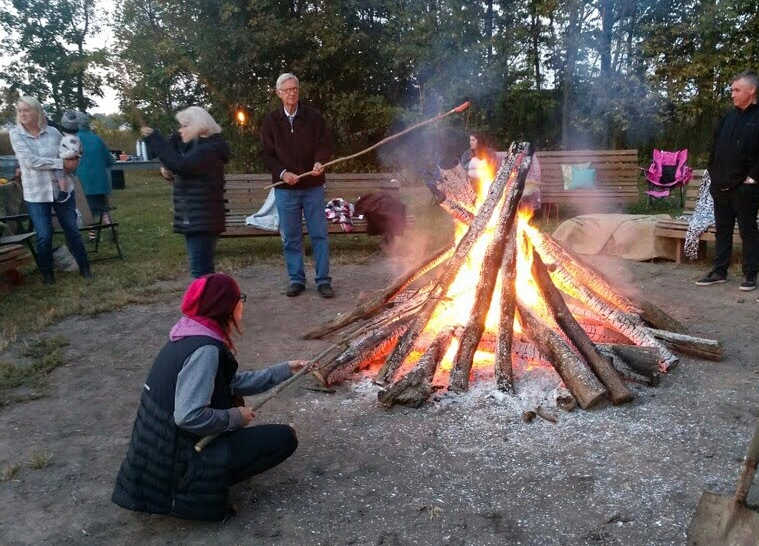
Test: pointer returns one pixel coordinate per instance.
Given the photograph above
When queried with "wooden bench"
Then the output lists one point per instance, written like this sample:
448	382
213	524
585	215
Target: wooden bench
13	256
676	228
617	177
244	194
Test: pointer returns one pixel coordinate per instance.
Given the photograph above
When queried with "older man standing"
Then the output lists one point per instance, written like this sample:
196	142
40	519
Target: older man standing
734	170
295	140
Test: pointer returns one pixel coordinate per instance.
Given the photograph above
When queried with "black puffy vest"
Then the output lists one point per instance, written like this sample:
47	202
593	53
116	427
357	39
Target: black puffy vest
162	473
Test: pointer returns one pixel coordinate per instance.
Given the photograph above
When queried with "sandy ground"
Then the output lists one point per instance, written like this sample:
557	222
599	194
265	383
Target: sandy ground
465	470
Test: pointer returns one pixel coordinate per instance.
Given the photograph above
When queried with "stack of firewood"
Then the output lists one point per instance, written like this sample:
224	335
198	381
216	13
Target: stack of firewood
385	328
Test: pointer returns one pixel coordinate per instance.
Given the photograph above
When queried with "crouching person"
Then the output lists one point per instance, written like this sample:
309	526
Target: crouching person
191	392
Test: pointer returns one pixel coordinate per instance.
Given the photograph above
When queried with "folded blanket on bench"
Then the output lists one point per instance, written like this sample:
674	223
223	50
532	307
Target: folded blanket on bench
629	236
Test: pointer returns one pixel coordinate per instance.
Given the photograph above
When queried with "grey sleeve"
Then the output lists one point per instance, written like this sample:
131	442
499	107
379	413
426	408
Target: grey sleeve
192	396
255	381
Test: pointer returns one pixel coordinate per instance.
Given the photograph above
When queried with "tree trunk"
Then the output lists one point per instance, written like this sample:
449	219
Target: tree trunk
578	378
572	47
618	392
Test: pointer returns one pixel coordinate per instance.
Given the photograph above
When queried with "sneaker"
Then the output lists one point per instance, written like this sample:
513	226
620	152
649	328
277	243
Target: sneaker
712	278
325	291
295	289
749	283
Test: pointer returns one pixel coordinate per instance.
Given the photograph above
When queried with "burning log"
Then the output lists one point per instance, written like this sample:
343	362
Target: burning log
578	378
416	386
552	252
406	343
618	392
486	284
504	372
454	183
377	301
457	211
709	349
627	324
376	342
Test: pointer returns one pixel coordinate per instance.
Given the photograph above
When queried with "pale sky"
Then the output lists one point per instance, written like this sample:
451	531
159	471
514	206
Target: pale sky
108	104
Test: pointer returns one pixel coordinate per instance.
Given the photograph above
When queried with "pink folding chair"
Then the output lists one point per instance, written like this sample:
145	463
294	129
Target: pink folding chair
668	170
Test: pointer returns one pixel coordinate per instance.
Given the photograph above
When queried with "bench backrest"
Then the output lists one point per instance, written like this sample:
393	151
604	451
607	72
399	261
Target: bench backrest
245	193
617	173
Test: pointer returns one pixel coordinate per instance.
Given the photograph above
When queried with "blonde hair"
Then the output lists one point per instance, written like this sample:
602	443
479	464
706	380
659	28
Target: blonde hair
197	118
35	104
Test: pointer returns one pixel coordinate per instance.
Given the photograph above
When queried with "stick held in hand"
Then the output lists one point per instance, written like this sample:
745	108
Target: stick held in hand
460	108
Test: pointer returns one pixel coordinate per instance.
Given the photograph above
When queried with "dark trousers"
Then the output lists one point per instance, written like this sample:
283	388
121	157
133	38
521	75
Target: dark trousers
257	449
200	252
41	215
741	204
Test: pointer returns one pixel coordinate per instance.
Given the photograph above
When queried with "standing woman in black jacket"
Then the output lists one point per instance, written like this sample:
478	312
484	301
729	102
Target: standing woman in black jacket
197	166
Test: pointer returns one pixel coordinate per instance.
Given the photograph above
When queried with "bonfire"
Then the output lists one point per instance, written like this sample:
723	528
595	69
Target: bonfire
504	297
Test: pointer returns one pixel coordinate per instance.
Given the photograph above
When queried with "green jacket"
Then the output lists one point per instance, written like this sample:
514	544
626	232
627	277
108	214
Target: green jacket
95	166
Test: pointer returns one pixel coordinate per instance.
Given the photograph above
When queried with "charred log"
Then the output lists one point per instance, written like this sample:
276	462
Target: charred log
470	338
642	360
629	325
618	392
414	388
578	378
378	341
708	349
457	211
378	300
406	343
504	372
634	367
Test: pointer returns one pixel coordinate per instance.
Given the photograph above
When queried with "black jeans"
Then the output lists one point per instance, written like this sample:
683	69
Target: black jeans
200	252
257	449
741	204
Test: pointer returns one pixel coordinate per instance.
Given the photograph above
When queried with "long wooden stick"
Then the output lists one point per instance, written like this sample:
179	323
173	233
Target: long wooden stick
459	108
271	393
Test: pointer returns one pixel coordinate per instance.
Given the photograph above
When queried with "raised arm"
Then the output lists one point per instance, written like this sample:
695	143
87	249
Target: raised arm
196	161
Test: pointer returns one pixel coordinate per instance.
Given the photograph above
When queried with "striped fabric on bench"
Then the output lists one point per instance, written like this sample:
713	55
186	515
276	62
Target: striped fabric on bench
244	194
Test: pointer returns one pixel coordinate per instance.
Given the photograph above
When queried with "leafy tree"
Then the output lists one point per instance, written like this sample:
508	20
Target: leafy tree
48	58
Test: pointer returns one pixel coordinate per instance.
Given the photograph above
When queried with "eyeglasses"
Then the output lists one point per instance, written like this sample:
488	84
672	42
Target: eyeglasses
243	298
289	90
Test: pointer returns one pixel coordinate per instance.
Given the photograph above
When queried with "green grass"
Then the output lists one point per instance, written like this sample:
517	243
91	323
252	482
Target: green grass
39	358
40	460
9	472
153	253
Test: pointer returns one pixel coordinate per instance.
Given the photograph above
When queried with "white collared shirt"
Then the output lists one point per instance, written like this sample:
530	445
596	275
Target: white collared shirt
38	159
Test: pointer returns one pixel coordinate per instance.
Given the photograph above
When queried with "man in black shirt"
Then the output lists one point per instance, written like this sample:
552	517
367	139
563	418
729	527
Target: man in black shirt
734	171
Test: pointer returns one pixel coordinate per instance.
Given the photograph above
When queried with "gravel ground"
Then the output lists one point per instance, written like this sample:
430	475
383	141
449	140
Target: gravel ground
463	470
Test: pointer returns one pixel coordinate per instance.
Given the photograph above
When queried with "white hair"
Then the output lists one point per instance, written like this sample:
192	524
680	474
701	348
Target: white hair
34	104
197	118
284	77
